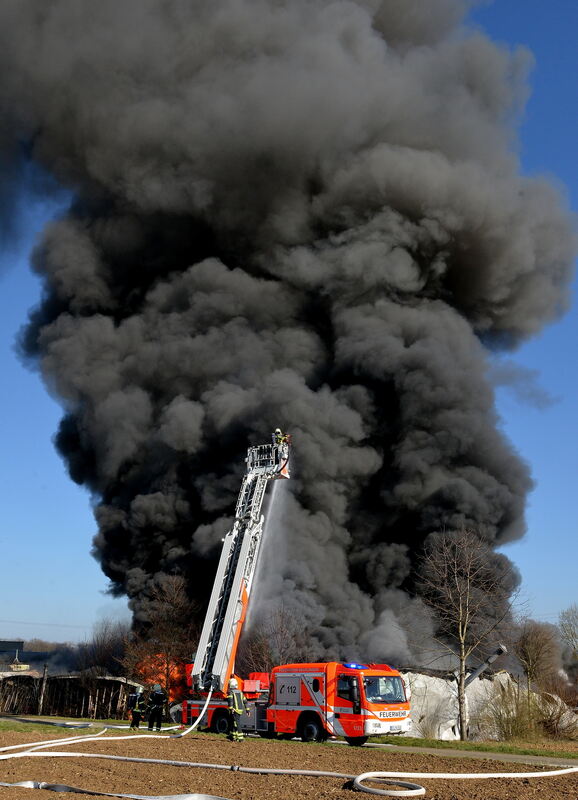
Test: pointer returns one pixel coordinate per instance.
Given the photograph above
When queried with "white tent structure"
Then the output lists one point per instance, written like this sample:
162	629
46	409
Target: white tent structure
434	703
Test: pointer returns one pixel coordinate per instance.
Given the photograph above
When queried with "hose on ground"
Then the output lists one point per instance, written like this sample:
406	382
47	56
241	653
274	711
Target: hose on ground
388	778
32	746
385	777
62	787
409	789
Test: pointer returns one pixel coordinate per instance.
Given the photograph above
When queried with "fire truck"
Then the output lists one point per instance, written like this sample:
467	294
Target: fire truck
311	701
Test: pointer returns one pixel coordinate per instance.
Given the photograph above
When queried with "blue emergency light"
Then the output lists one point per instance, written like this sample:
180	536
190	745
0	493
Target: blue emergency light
355	666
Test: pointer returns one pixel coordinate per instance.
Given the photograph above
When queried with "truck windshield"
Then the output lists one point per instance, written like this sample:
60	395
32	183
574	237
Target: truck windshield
384	689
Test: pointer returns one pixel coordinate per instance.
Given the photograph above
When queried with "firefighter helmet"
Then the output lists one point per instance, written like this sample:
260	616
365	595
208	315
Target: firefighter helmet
233	683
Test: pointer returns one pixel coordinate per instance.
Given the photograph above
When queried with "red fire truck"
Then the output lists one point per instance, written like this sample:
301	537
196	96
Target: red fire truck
312	701
315	701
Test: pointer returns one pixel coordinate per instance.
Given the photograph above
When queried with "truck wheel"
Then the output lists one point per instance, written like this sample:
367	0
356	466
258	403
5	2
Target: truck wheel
311	729
220	722
356	741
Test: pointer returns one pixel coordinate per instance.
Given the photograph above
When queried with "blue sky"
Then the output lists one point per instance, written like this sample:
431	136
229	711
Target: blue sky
53	589
546	438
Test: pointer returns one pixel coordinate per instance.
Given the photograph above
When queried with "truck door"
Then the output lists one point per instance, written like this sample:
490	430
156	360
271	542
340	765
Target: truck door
314	695
348	720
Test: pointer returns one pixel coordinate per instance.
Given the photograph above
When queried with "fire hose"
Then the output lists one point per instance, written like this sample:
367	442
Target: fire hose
399	779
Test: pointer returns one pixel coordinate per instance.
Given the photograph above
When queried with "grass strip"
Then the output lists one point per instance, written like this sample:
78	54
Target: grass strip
405	741
482	747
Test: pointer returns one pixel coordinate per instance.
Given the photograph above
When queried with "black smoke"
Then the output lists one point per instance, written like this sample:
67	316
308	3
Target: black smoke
304	213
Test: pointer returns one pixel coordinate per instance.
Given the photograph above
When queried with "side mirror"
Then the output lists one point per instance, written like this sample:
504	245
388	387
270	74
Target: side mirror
406	686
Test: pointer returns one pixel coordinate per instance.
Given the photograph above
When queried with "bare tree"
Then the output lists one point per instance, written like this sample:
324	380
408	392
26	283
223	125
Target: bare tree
103	653
538	651
276	639
467	586
568	624
159	652
254	653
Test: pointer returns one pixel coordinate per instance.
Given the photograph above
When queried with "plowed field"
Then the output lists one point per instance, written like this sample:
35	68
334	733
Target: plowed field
102	775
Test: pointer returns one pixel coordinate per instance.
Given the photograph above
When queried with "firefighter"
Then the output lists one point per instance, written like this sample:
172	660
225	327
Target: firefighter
280	437
131	700
236	703
155	707
137	708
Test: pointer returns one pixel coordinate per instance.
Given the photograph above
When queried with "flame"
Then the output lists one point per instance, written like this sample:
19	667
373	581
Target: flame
154	669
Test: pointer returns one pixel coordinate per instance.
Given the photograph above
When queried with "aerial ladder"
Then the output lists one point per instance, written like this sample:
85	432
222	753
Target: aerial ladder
309	700
215	656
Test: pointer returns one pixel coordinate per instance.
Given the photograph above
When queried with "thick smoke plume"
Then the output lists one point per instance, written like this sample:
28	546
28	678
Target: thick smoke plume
304	213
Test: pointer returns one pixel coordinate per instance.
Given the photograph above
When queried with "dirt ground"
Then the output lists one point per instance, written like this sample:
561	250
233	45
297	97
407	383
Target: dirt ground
155	779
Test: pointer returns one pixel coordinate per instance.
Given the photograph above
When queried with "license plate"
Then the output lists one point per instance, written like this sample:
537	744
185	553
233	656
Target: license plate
395	727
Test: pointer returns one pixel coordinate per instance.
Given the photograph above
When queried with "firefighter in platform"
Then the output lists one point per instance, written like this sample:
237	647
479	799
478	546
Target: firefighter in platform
137	708
236	703
281	441
280	437
156	707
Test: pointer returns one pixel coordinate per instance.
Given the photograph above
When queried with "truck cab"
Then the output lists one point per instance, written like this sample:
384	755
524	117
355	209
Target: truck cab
352	700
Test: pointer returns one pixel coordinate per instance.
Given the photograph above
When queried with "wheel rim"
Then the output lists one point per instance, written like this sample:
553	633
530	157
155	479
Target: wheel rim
310	731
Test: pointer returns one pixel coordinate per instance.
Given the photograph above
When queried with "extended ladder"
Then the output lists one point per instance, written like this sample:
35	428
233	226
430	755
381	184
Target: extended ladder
215	657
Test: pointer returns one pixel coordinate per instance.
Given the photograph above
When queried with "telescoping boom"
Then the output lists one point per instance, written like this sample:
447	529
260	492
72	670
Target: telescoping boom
215	657
313	700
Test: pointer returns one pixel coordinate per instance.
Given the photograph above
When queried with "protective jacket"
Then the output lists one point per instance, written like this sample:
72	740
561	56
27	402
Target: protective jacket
236	702
157	699
140	704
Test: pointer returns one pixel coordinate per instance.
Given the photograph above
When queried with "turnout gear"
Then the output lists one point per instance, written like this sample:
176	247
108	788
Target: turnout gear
236	704
281	442
280	437
155	707
137	707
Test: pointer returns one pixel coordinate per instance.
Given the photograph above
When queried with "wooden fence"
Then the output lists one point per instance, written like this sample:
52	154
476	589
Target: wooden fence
65	696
